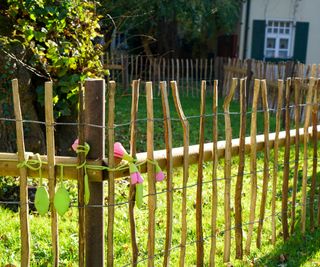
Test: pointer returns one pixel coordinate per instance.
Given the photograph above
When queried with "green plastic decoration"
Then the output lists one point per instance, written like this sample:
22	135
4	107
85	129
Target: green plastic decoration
41	200
61	198
139	195
86	190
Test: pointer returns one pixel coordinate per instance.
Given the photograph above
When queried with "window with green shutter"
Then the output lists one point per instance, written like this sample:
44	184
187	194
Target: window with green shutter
301	41
258	39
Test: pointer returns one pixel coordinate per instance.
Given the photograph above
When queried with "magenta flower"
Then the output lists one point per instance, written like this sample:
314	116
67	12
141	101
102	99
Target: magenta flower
120	152
135	175
75	145
159	174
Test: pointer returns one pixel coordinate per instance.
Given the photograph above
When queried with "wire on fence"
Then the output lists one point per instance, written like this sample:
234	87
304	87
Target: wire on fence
216	234
165	190
145	119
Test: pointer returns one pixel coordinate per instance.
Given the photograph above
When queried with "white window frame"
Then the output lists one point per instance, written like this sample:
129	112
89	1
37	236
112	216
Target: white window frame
277	36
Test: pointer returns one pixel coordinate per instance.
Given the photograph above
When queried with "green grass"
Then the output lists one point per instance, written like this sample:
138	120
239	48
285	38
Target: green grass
297	251
191	107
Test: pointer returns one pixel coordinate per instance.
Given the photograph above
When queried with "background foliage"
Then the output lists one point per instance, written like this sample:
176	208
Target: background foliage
179	27
57	40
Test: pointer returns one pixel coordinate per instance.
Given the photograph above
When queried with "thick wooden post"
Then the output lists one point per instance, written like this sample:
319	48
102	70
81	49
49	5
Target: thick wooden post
94	113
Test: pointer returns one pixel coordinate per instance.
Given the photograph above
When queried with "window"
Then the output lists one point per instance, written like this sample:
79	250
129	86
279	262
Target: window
278	39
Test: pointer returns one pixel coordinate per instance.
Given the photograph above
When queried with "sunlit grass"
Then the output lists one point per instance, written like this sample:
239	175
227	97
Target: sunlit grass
298	251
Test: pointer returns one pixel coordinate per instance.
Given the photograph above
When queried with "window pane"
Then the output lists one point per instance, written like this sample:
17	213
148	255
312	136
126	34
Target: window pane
283	54
270	53
284	44
281	30
269	23
288	24
275	30
282	24
271	43
269	30
276	23
287	31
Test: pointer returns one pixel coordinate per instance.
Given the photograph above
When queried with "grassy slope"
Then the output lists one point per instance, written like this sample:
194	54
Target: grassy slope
298	251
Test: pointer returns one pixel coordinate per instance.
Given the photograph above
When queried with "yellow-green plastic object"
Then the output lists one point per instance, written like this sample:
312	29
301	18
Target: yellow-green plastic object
61	200
86	189
139	195
41	200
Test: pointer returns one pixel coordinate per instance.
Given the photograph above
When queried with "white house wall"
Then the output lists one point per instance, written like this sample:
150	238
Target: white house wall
294	10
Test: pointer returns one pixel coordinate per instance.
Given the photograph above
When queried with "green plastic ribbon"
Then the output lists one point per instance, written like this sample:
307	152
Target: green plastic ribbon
62	198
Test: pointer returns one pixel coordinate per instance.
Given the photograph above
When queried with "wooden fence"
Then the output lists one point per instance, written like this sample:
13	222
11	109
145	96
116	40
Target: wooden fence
188	72
100	169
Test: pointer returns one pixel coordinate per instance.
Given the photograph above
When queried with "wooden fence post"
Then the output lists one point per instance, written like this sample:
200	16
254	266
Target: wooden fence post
214	209
286	167
227	171
111	163
94	113
168	141
51	170
24	206
239	183
297	89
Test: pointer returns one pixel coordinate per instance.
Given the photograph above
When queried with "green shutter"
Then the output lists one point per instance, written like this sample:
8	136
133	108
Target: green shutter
258	35
301	41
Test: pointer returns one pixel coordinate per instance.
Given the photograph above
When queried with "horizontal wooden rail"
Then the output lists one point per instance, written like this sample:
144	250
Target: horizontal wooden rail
9	161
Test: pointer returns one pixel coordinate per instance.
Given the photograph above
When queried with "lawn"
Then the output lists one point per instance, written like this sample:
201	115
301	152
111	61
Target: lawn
298	251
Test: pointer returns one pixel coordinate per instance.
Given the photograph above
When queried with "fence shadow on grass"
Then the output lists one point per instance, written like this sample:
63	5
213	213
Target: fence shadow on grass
297	250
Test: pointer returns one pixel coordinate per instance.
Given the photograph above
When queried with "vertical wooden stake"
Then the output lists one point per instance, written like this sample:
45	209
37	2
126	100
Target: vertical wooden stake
51	171
315	154
94	113
239	184
227	171
81	158
172	69
183	77
284	207
275	164
168	141
214	210
185	126
131	67
24	206
197	77
133	152
305	155
163	73
178	71
111	184
201	70
199	231
297	88
253	164
152	199
265	160
206	69
192	78
187	75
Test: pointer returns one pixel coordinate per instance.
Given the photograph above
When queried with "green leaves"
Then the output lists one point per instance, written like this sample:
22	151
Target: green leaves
60	38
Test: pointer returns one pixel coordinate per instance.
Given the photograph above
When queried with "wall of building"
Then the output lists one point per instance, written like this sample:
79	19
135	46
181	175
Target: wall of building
293	10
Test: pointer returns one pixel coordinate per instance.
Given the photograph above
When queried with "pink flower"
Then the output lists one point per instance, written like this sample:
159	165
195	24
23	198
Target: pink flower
75	144
159	174
135	175
120	152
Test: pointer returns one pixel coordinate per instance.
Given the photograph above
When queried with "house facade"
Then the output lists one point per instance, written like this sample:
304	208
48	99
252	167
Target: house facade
277	30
